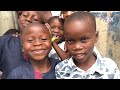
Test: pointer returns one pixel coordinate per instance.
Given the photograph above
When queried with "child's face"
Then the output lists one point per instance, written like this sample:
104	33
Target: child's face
28	17
80	38
56	29
67	13
48	15
36	42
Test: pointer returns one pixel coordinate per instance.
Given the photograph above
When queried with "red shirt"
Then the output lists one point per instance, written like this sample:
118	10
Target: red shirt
38	75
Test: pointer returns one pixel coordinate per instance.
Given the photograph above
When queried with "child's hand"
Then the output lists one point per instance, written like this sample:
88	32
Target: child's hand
48	26
54	39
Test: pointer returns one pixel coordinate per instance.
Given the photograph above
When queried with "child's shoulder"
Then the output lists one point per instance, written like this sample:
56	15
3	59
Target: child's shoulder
22	67
9	38
108	63
54	61
23	71
62	64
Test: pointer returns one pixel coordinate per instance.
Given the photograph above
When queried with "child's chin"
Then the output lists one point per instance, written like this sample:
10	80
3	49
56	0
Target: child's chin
78	59
38	58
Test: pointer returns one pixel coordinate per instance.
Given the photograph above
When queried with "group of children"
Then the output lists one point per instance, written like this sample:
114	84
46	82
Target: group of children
59	48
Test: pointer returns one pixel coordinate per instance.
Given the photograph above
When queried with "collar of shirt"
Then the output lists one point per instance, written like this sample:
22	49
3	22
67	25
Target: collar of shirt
96	67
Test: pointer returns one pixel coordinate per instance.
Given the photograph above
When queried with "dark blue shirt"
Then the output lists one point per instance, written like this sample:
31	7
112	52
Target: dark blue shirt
11	54
26	71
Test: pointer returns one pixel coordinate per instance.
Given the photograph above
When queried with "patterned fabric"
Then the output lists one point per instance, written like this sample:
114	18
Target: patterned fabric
103	68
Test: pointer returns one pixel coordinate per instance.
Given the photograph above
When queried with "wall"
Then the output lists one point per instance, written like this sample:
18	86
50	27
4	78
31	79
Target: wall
8	20
108	25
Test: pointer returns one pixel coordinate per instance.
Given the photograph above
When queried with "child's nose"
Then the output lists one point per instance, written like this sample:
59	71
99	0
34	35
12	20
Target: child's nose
37	43
78	46
56	30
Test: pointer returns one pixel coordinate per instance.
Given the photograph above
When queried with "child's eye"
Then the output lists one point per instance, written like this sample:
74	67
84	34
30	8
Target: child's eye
25	14
44	39
84	40
30	40
53	27
61	28
36	19
69	41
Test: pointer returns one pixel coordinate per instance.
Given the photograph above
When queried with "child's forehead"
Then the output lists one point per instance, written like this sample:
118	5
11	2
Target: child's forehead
85	22
32	12
79	26
54	19
78	23
40	27
36	28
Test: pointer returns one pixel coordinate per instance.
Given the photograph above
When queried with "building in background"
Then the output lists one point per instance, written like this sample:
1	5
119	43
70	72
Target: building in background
8	20
55	13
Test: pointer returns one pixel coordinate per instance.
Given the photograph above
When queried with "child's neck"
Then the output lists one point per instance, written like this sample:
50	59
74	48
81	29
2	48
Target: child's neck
86	65
42	66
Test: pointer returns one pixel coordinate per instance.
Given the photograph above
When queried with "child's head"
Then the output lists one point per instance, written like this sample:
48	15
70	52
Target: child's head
12	32
19	13
66	13
56	25
80	35
28	17
47	15
36	41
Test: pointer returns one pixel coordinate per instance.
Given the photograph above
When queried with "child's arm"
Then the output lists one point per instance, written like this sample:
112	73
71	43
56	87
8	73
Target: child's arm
62	54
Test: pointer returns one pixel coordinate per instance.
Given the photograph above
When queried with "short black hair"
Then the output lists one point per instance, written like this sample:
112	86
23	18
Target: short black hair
45	16
62	12
61	20
81	16
11	32
32	24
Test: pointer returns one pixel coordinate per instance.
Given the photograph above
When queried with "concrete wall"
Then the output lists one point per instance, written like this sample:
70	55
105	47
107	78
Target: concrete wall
108	25
8	20
113	49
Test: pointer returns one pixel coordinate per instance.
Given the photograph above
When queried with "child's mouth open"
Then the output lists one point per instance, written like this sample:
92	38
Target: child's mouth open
56	36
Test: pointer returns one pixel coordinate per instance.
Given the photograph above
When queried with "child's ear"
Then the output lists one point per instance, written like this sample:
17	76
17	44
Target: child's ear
96	36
